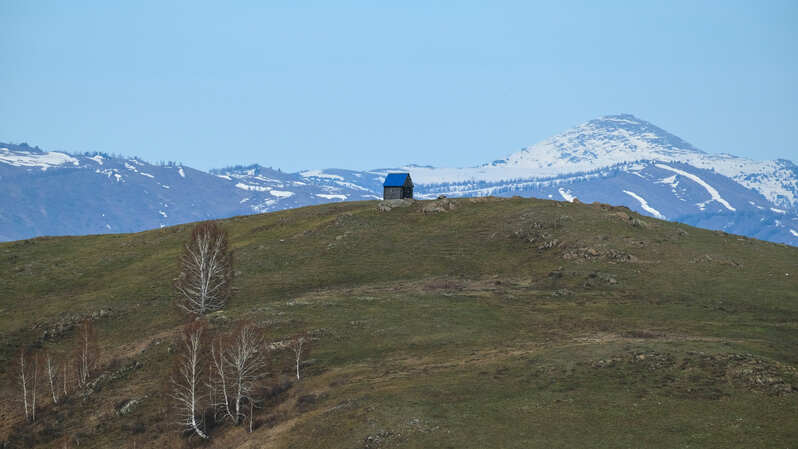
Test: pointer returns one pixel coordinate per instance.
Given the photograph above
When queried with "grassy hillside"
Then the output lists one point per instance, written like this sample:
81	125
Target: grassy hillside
508	323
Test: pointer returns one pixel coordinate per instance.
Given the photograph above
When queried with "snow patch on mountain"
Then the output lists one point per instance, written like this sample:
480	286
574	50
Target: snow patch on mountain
567	195
43	160
331	196
319	174
713	193
670	180
243	186
644	204
281	193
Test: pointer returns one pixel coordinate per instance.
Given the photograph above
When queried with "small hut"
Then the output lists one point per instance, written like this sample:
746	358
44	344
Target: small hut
397	186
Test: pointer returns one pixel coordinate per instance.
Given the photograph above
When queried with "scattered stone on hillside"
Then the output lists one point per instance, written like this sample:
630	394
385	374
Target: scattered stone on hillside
436	206
706	372
419	425
636	243
602	206
654	360
706	258
68	321
539	233
625	215
595	278
486	199
682	232
127	406
343	218
549	244
605	363
97	384
379	439
562	292
759	375
387	205
320	332
747	371
591	254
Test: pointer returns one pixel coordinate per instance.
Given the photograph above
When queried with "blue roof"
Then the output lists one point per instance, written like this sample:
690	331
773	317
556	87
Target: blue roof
395	179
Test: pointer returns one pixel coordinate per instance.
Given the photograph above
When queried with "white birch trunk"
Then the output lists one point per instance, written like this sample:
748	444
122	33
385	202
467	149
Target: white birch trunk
23	383
35	382
187	383
52	372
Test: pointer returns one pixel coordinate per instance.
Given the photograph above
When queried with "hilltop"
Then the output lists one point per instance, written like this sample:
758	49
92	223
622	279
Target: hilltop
482	322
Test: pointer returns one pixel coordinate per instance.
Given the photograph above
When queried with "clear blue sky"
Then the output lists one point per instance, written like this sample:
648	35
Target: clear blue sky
299	84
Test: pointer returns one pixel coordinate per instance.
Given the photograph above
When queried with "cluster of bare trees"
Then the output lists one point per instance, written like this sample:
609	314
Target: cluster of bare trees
238	363
227	375
61	374
223	375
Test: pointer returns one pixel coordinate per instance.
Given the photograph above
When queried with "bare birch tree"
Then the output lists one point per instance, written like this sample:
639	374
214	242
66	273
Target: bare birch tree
186	380
300	345
24	379
219	388
240	363
52	376
65	375
28	364
205	281
87	352
246	359
36	362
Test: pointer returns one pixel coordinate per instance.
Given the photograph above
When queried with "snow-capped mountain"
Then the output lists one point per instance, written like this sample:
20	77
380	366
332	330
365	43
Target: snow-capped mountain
53	193
617	159
624	139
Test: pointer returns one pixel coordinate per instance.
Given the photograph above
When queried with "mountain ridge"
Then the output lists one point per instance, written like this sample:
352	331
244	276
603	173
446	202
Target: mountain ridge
617	159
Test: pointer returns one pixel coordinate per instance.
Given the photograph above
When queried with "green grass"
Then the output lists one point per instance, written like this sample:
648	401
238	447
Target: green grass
441	330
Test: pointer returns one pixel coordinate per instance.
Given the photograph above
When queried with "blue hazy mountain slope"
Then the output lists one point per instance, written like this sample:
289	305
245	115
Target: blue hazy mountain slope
618	159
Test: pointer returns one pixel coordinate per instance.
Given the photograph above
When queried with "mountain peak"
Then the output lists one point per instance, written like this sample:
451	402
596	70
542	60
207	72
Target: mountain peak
604	141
